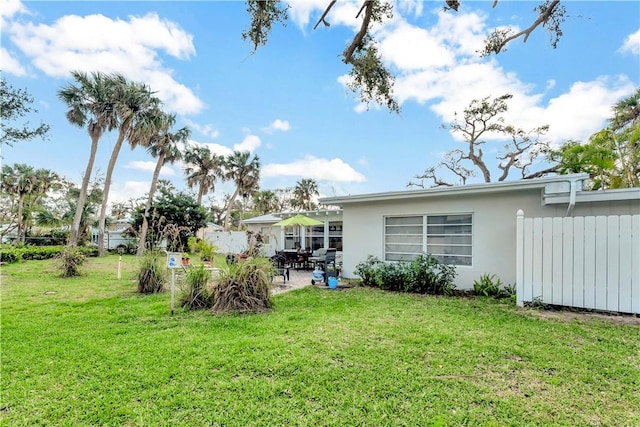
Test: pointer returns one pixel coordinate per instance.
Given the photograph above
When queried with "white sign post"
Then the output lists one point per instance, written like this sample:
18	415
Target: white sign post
173	262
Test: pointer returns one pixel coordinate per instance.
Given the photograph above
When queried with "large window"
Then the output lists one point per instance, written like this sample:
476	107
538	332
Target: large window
335	235
448	238
292	237
314	237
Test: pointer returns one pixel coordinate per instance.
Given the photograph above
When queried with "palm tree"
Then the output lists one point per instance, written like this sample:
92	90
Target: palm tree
132	100
245	172
625	132
203	169
163	144
303	194
29	185
19	180
265	201
90	104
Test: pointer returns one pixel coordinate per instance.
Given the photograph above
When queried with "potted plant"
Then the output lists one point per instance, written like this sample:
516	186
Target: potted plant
185	259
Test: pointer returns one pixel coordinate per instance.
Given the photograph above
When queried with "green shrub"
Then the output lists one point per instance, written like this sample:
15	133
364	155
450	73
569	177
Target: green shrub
491	286
423	275
365	270
201	247
11	254
244	287
195	293
152	274
70	259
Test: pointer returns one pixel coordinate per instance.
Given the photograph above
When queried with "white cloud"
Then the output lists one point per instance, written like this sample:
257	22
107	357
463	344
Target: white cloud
95	42
281	125
301	10
11	65
583	110
312	167
218	149
631	44
452	74
128	190
9	8
206	130
249	143
149	166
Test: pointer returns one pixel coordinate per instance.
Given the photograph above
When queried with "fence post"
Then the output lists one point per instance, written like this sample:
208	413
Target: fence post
520	257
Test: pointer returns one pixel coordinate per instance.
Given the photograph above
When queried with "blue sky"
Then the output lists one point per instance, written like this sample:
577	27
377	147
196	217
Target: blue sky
287	102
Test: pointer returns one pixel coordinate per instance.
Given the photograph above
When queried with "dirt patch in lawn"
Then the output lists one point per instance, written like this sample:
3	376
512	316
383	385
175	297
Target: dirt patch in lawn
573	315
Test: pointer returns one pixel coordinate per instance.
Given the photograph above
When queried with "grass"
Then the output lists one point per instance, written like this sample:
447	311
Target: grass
96	353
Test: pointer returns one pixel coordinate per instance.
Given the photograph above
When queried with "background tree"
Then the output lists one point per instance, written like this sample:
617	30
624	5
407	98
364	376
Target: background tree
481	122
624	130
368	75
90	104
265	202
245	173
133	102
304	193
28	186
163	145
15	104
175	216
203	169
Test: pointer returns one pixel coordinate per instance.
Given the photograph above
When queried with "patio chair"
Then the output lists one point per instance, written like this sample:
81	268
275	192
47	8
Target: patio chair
281	266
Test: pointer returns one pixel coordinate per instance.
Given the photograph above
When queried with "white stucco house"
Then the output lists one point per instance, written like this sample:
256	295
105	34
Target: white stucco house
472	226
327	235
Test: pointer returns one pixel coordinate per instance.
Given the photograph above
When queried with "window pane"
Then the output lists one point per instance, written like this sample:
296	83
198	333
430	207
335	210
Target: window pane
403	230
447	249
400	257
453	260
449	240
449	229
392	238
405	220
449	219
411	249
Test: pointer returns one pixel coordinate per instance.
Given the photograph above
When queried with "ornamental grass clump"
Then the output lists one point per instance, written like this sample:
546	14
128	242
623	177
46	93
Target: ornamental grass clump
70	260
152	274
196	294
244	287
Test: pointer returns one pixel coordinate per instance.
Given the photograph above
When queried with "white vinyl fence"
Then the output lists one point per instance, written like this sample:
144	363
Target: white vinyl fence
236	242
586	262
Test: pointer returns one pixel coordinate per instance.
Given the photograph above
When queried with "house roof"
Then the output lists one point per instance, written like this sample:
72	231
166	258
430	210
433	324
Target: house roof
493	187
262	219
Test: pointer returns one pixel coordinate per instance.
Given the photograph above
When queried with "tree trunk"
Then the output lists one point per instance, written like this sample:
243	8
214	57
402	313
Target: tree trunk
200	193
227	215
142	237
105	193
82	198
20	222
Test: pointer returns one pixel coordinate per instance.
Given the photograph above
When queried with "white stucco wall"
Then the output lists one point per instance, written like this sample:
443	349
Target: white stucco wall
494	226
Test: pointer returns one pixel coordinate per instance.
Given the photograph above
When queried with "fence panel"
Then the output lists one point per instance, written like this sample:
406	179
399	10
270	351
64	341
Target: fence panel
584	262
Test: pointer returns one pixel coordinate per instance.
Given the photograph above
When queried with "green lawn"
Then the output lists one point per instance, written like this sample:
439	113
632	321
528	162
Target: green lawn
90	351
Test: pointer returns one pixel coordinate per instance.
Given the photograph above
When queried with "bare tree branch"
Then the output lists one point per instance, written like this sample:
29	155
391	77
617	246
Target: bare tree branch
324	15
364	28
500	38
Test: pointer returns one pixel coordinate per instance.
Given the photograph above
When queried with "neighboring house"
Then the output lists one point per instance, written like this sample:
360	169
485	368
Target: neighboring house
117	235
206	233
472	227
328	235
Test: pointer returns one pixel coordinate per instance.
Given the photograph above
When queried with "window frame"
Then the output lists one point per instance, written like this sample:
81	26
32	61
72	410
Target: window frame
425	237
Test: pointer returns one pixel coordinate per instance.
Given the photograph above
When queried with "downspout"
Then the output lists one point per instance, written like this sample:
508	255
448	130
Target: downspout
572	196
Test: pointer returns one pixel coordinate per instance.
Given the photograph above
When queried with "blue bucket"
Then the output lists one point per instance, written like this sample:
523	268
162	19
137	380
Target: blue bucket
333	282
